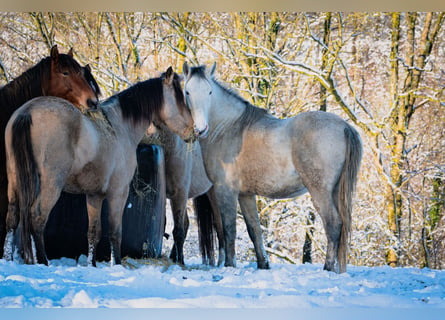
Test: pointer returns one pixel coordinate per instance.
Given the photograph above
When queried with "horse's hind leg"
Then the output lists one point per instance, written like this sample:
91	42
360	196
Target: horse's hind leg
116	204
332	223
249	210
181	224
40	211
3	213
11	223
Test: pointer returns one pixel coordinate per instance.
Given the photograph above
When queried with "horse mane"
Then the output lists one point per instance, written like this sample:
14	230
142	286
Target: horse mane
92	81
140	101
25	87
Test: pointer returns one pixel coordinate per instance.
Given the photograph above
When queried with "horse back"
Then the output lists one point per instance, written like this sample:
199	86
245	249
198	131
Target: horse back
277	157
54	124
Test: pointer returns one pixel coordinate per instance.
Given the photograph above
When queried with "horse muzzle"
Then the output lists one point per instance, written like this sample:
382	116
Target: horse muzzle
202	133
92	104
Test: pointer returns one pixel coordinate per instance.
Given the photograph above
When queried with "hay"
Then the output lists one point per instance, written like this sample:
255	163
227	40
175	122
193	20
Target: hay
99	118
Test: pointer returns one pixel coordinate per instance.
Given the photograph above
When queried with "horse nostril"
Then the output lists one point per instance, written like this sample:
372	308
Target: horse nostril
92	104
201	133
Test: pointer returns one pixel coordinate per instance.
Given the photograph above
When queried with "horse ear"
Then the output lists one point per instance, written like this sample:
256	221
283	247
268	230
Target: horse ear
54	53
185	69
87	66
169	74
212	70
70	53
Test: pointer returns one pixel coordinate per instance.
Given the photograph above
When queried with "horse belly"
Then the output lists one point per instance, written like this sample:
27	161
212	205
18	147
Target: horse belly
89	180
272	183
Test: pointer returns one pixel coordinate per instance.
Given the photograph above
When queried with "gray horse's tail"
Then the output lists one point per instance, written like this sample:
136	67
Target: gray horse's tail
204	214
27	176
346	188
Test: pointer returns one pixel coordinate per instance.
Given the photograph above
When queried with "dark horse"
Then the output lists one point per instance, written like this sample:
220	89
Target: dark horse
249	152
57	75
52	146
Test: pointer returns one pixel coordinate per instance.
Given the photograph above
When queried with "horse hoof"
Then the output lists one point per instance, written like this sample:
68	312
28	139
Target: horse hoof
263	265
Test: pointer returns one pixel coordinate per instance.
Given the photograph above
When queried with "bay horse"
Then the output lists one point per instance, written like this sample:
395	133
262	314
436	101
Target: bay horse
248	152
52	146
186	179
58	75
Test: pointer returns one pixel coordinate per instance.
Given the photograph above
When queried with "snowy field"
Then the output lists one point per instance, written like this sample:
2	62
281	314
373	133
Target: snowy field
160	285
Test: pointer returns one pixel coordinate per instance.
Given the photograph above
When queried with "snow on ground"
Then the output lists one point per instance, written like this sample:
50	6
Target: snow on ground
160	284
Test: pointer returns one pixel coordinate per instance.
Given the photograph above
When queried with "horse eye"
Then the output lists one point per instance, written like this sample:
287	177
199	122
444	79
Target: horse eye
65	73
210	92
187	93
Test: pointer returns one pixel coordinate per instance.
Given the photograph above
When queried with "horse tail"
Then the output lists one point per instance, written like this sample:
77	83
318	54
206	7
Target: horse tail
204	214
346	187
27	176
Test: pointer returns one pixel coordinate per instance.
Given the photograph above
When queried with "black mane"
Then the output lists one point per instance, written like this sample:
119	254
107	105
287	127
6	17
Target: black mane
140	101
25	87
144	99
92	82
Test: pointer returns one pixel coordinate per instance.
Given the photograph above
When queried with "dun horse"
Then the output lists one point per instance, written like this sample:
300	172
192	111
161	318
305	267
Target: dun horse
58	75
248	152
186	178
51	146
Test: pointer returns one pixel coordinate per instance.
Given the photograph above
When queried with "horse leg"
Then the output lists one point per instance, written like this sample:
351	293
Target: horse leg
116	204
217	224
225	200
40	210
3	213
94	208
332	223
11	223
249	210
181	224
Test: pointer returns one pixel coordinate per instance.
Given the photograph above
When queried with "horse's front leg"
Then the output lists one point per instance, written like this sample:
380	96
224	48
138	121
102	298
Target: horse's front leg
116	205
181	224
94	208
225	200
250	213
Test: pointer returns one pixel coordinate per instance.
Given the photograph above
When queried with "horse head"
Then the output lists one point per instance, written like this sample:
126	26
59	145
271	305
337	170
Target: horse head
68	79
175	113
198	93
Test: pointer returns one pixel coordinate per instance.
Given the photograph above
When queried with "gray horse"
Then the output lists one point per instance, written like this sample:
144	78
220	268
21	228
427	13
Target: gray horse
248	152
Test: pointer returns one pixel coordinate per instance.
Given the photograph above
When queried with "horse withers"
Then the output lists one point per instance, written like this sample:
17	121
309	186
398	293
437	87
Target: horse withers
249	152
58	75
51	146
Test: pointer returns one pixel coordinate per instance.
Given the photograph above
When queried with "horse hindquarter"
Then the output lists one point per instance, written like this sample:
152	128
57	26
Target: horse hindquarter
327	156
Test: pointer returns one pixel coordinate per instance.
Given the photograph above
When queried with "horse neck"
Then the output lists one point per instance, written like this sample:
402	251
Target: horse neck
25	87
134	131
225	111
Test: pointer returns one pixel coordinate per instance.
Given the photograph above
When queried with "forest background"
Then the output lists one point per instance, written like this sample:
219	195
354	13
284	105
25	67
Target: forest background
382	72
